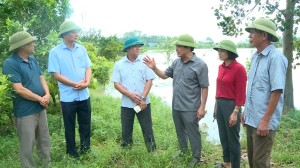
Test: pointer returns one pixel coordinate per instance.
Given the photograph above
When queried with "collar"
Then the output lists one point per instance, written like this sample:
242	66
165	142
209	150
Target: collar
230	65
64	46
267	50
193	58
139	58
19	59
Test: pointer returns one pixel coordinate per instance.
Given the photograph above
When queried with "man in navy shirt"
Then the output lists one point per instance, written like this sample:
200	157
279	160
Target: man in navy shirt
31	98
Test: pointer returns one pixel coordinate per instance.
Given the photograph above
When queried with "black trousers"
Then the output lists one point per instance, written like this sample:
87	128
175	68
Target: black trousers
83	111
145	120
229	136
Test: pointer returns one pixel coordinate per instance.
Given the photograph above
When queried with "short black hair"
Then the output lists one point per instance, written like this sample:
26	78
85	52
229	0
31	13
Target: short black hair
232	56
192	48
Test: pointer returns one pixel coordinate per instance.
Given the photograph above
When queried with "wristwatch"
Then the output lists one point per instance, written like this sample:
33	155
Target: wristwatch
143	98
235	110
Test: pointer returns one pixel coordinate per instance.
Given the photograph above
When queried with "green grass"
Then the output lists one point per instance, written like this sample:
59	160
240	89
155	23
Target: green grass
106	135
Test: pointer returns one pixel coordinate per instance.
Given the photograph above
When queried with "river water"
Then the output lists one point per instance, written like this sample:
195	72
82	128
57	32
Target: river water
163	88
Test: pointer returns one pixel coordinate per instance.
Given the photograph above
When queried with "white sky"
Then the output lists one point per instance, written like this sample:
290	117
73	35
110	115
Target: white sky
155	17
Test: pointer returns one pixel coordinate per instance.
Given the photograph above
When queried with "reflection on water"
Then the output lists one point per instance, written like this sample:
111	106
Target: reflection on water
163	88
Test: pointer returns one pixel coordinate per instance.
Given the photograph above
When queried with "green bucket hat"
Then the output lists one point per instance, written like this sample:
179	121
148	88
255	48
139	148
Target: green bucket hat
227	45
19	39
131	41
265	25
67	26
186	40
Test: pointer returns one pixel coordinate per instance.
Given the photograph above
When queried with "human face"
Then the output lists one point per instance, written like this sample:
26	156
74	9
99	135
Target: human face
182	51
257	38
28	48
71	36
134	50
223	54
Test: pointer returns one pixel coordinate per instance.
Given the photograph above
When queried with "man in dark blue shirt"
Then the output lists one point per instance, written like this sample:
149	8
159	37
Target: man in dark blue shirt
31	98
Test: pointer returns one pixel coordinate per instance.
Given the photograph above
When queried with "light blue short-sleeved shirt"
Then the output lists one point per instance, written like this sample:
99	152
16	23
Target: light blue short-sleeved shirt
133	77
71	64
267	73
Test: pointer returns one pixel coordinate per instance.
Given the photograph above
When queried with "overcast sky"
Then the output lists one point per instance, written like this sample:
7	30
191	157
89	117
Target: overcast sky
152	17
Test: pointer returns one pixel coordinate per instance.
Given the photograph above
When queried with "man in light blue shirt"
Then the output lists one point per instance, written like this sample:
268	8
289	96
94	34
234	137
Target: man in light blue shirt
264	100
71	67
133	79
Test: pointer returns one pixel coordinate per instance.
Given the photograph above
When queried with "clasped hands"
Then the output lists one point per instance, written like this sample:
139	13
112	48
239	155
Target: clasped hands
137	99
81	85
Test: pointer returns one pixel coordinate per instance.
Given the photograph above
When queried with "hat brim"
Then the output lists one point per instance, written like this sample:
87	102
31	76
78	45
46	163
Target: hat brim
225	48
68	30
132	44
186	44
274	38
22	43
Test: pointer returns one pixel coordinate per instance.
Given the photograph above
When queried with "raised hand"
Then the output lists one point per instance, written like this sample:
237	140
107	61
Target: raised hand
150	62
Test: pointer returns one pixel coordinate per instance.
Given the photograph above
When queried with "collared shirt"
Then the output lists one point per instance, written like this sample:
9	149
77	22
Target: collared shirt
267	74
188	79
28	74
71	64
231	82
133	77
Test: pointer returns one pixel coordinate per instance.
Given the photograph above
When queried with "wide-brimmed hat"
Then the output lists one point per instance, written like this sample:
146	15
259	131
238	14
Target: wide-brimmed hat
131	41
186	40
67	26
19	39
265	25
227	45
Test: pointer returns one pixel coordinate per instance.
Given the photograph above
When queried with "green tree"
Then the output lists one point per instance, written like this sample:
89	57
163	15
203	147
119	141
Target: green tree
108	47
38	17
232	13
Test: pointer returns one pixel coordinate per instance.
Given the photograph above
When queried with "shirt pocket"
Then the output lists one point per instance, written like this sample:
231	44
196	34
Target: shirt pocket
141	74
190	76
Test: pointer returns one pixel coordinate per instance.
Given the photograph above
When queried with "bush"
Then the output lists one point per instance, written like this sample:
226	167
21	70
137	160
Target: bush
5	103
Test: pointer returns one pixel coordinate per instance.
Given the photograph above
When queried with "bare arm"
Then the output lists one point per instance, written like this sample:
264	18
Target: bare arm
64	80
25	93
203	97
201	110
147	88
45	85
160	73
263	127
133	96
275	96
88	75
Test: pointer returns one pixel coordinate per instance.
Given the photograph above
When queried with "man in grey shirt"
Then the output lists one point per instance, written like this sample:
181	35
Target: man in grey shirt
190	89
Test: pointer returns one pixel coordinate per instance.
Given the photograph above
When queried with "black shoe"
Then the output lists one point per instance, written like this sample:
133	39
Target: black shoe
151	148
126	145
74	155
194	162
84	149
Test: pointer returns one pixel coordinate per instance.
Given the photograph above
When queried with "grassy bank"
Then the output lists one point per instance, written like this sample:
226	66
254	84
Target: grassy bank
106	135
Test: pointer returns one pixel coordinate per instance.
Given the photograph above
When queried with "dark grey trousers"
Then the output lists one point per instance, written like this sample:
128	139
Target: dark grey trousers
145	120
229	136
187	127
